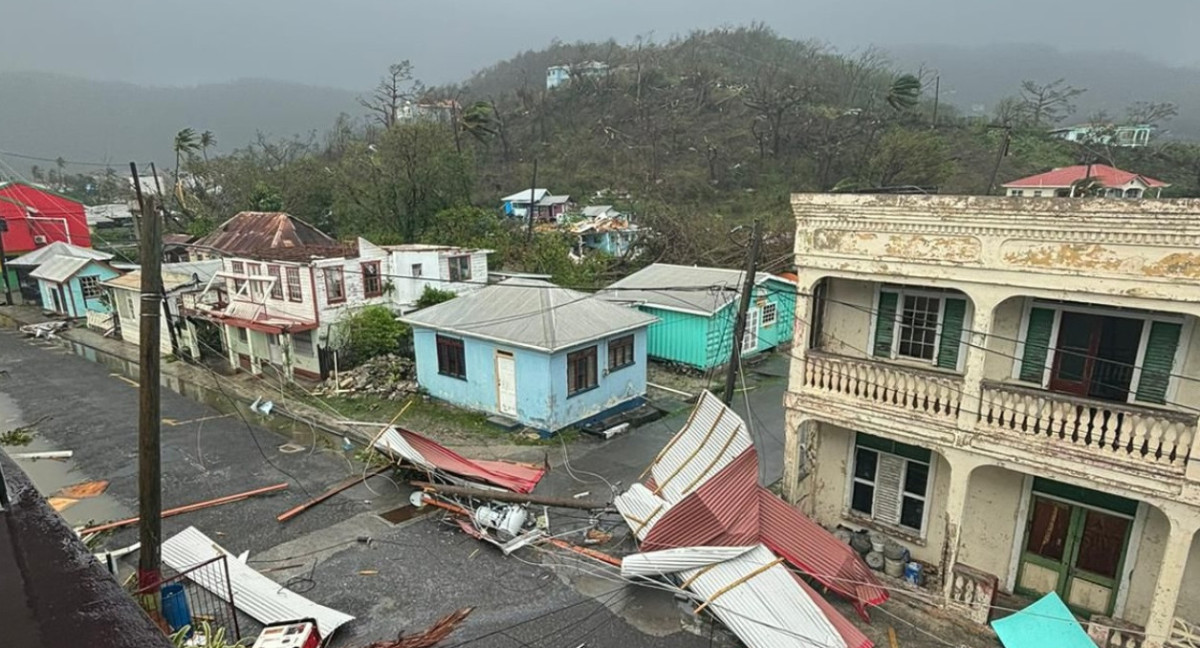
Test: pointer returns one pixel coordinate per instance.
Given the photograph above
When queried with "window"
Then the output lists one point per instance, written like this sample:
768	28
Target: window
460	268
620	352
1016	192
1037	193
372	282
919	327
238	268
890	483
770	313
90	285
581	371
256	287
241	335
1133	193
302	344
293	285
452	359
277	286
416	270
335	285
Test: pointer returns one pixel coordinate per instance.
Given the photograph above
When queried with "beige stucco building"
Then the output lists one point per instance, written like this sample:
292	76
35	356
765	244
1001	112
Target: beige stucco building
1010	389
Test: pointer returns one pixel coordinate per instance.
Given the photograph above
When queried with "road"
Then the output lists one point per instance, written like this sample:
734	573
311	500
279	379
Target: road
423	568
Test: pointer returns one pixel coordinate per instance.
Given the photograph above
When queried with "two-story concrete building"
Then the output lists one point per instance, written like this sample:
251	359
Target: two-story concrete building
1009	388
413	267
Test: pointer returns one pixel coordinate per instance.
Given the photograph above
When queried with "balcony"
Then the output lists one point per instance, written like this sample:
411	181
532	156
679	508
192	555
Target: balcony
888	387
1157	440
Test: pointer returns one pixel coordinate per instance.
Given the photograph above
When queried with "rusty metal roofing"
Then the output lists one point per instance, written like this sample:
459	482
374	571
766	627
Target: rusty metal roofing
416	449
254	233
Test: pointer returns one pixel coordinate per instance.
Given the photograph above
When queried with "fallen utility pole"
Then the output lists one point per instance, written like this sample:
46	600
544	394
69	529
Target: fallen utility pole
333	490
739	329
187	508
149	407
506	496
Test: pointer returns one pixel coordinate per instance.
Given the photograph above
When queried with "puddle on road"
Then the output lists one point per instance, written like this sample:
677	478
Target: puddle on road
51	475
405	513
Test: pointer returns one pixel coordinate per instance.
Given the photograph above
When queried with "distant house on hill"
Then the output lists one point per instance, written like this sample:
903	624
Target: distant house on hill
1061	182
546	206
257	233
1133	135
696	309
558	75
441	112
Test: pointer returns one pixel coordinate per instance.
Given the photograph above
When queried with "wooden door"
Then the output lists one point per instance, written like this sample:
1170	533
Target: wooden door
506	383
1075	353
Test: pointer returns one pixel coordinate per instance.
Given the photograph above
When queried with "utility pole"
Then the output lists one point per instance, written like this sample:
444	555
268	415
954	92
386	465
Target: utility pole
532	194
149	450
1000	153
937	95
739	329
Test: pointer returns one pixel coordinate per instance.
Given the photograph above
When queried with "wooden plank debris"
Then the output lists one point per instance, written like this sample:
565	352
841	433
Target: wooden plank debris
333	490
228	499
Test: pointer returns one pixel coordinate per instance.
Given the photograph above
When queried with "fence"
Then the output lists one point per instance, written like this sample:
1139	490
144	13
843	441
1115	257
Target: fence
190	598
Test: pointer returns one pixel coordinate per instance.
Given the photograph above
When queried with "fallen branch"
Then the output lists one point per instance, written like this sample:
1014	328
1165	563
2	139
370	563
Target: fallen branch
228	499
507	496
429	637
333	490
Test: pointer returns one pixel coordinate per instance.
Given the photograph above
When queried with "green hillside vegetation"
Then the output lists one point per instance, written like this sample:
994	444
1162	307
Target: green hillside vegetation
695	136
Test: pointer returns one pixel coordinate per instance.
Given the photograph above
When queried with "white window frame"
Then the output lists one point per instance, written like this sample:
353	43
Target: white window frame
858	516
755	313
1187	325
772	308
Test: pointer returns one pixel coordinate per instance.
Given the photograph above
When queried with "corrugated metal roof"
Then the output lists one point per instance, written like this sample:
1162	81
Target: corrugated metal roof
57	248
670	561
256	595
641	509
253	233
712	438
532	314
523	196
61	268
133	280
429	455
691	289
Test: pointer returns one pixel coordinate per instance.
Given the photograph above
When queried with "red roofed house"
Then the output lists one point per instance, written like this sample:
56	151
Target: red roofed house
1059	182
36	218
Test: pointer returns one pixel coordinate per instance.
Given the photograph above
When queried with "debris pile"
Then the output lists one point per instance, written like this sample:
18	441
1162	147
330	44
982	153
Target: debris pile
389	376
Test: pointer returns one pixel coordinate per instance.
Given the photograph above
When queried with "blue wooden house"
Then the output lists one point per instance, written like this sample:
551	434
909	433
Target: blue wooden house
70	285
696	309
533	352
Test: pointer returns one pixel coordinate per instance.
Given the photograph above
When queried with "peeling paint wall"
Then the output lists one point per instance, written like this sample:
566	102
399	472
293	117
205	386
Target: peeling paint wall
1002	344
847	323
990	520
1147	566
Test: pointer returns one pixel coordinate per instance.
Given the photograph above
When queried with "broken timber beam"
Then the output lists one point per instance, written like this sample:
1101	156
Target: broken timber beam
237	497
584	551
507	496
333	490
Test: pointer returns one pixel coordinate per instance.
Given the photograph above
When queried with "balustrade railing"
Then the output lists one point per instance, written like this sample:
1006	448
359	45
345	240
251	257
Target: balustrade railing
913	389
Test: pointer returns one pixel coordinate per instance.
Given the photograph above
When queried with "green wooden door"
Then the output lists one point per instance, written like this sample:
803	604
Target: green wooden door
1077	551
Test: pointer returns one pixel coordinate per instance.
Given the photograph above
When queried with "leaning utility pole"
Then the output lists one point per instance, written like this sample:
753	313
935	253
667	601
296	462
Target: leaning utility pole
1000	153
149	451
739	329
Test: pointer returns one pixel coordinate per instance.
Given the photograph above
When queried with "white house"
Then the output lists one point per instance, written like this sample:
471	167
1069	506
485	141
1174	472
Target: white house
178	280
1061	182
413	267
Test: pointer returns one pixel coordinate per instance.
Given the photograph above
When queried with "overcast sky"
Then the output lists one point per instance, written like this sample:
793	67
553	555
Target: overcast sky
348	43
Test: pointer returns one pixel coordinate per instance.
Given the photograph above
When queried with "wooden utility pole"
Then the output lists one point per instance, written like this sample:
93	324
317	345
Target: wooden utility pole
739	329
149	451
1000	153
532	195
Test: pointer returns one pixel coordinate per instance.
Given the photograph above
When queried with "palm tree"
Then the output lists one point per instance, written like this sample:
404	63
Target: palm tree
185	145
207	141
61	165
904	92
478	121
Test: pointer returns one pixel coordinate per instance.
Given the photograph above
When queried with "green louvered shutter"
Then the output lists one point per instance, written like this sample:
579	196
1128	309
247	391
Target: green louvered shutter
1037	344
953	314
1158	363
885	324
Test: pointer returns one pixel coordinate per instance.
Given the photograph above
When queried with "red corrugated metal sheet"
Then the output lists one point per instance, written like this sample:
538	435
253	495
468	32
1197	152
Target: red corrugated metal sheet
853	637
515	477
1064	177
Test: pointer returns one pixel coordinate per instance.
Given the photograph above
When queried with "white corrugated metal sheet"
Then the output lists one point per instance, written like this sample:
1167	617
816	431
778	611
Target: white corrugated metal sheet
691	289
57	249
256	595
60	268
714	436
670	561
640	508
394	444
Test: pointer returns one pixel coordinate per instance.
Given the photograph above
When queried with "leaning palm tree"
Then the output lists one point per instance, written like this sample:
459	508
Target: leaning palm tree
904	93
478	121
185	145
207	141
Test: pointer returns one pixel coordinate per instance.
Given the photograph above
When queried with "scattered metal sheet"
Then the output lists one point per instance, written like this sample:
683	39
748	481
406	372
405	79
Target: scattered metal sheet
61	504
399	443
256	595
670	561
713	437
84	489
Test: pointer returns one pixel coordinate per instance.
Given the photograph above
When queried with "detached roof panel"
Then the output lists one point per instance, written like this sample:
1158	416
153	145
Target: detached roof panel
60	268
713	437
57	249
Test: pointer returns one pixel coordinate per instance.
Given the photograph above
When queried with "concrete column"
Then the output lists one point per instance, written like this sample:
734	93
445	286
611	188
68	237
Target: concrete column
1170	577
975	349
956	505
798	440
798	430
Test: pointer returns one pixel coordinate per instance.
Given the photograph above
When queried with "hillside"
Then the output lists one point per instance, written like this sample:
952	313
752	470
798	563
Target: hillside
51	116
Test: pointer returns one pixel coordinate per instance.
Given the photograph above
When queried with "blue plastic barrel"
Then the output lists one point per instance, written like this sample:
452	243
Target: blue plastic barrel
175	607
912	573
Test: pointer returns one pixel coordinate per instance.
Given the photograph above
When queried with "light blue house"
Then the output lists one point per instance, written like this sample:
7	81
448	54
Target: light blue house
527	350
696	310
604	229
70	285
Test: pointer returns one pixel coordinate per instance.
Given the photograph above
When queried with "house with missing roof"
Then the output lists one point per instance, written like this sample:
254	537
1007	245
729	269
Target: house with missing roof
71	286
1086	179
695	310
177	335
533	352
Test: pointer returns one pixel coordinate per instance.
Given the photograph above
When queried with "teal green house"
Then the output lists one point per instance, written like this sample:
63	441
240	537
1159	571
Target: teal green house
70	285
696	309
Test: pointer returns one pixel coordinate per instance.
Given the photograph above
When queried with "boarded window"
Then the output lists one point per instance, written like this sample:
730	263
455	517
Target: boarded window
372	282
581	371
335	285
620	352
277	285
293	284
451	357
